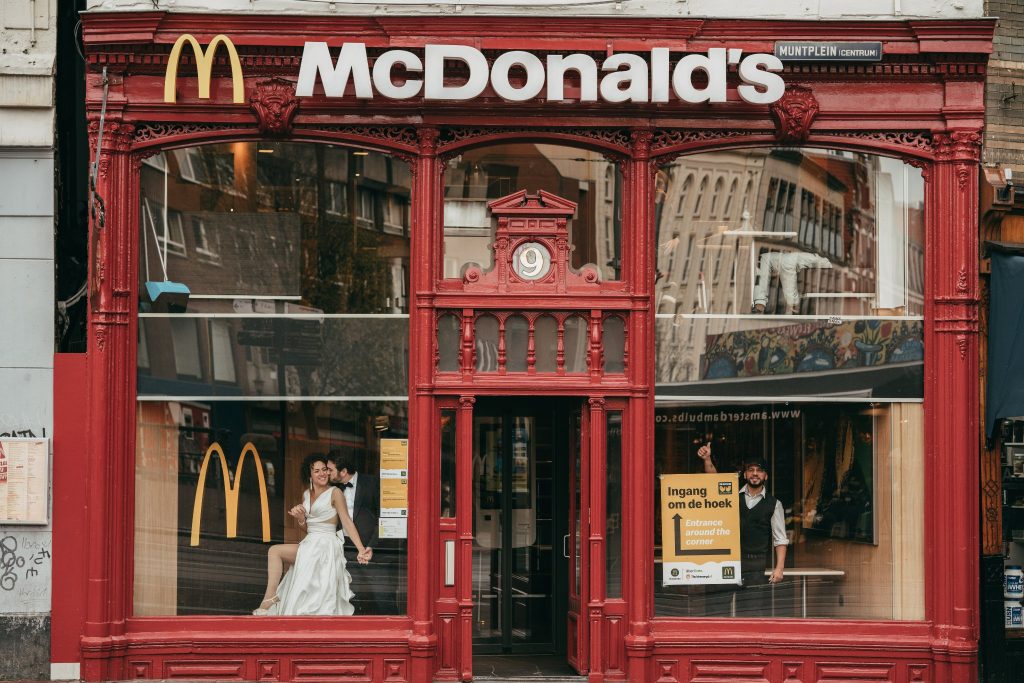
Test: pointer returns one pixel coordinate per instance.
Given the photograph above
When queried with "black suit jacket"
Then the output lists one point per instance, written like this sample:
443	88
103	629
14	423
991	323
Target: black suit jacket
366	507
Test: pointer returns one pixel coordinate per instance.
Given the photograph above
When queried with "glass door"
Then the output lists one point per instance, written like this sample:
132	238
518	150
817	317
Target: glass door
521	457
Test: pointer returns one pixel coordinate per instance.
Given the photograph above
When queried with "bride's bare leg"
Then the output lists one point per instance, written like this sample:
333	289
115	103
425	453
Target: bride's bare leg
277	557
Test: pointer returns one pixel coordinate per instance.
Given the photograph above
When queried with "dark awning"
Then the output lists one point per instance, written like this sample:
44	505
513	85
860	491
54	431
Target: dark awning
1005	394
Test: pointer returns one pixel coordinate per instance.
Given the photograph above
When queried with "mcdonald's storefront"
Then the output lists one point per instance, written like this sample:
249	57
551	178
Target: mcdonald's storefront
515	275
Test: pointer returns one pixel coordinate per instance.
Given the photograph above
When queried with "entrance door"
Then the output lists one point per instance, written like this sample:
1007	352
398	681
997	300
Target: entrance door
522	455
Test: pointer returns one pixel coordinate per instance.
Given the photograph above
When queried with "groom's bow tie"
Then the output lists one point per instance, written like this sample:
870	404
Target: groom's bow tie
346	486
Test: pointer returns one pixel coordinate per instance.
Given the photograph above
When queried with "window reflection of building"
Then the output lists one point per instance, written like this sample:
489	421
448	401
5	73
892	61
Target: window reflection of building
255	228
852	222
481	175
690	241
856	336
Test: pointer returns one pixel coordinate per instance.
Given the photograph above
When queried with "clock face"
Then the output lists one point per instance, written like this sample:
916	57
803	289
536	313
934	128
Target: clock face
531	261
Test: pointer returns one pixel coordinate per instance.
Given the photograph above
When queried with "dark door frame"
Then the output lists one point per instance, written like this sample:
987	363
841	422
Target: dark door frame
562	410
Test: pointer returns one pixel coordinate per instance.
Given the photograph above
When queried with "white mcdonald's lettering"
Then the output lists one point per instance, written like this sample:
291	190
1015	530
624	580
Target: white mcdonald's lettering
627	77
230	492
204	67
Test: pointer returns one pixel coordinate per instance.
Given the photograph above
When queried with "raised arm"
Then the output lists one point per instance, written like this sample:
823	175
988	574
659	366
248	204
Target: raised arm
704	453
338	500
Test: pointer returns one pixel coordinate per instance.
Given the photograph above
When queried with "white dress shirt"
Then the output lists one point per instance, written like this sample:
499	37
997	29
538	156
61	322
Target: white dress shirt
779	536
350	495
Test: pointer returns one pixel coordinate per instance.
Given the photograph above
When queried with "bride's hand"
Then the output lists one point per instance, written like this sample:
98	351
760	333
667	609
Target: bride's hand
299	513
365	556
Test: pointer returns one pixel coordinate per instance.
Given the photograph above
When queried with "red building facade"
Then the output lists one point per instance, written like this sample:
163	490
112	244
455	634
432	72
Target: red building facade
552	359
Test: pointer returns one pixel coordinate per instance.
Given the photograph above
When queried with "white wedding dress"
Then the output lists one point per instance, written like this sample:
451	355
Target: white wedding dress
318	582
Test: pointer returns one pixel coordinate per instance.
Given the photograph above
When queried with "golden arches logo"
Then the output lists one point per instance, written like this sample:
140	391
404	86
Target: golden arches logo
231	491
204	65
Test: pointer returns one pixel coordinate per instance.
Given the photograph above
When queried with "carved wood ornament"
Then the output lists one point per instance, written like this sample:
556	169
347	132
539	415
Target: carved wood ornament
794	113
275	105
532	229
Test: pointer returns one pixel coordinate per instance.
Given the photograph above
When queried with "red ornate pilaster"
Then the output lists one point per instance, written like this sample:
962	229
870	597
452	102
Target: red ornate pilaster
111	362
596	565
464	435
424	470
951	400
638	444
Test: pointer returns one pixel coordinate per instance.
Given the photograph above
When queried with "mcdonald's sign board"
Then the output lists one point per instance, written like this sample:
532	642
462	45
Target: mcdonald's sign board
204	66
231	491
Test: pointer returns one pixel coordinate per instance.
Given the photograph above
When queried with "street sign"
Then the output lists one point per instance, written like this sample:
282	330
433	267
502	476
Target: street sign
815	51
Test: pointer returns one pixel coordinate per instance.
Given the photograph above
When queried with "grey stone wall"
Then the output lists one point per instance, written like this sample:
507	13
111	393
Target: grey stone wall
24	647
1004	90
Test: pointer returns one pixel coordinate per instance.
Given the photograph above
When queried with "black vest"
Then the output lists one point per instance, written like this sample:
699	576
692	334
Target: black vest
756	532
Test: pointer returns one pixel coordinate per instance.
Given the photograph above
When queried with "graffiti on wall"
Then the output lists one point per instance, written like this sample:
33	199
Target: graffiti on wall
25	571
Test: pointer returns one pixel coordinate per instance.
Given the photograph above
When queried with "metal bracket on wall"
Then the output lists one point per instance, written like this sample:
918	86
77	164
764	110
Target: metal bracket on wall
95	199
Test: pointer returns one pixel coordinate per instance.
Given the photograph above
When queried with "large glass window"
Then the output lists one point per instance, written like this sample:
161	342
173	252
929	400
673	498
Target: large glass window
790	344
293	341
481	175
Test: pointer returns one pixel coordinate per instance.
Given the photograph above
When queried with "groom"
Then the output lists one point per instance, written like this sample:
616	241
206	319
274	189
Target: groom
362	496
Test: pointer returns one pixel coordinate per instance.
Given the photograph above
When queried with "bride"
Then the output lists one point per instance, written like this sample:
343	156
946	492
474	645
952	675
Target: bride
317	582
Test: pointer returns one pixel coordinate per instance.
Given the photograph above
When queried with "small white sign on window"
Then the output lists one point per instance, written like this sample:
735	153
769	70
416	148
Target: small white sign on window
393	527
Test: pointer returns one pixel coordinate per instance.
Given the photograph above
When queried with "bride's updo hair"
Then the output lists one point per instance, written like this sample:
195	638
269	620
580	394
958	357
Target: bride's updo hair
307	466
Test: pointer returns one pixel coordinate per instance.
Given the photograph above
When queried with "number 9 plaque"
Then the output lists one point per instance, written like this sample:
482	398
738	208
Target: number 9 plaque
531	261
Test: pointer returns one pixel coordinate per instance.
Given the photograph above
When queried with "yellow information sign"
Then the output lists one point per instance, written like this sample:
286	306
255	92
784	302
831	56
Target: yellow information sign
700	529
394	495
394	488
394	454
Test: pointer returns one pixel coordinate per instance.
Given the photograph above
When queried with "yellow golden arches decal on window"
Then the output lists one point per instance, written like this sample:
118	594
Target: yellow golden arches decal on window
230	492
204	66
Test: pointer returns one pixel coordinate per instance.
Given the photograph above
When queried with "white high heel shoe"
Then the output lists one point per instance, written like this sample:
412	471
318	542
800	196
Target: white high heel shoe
264	608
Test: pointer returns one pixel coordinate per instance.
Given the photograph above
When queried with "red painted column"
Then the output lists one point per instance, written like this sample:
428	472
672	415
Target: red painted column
111	371
638	439
596	534
464	570
951	405
423	468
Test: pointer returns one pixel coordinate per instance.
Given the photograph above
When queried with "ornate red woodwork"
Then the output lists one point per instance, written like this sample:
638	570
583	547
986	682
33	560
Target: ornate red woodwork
539	222
794	114
925	105
541	218
275	105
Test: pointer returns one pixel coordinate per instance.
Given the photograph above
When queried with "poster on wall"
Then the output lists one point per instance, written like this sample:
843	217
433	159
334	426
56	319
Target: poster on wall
24	472
394	488
700	529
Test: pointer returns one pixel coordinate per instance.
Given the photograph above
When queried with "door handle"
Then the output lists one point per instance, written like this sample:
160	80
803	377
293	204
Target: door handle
565	546
449	563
